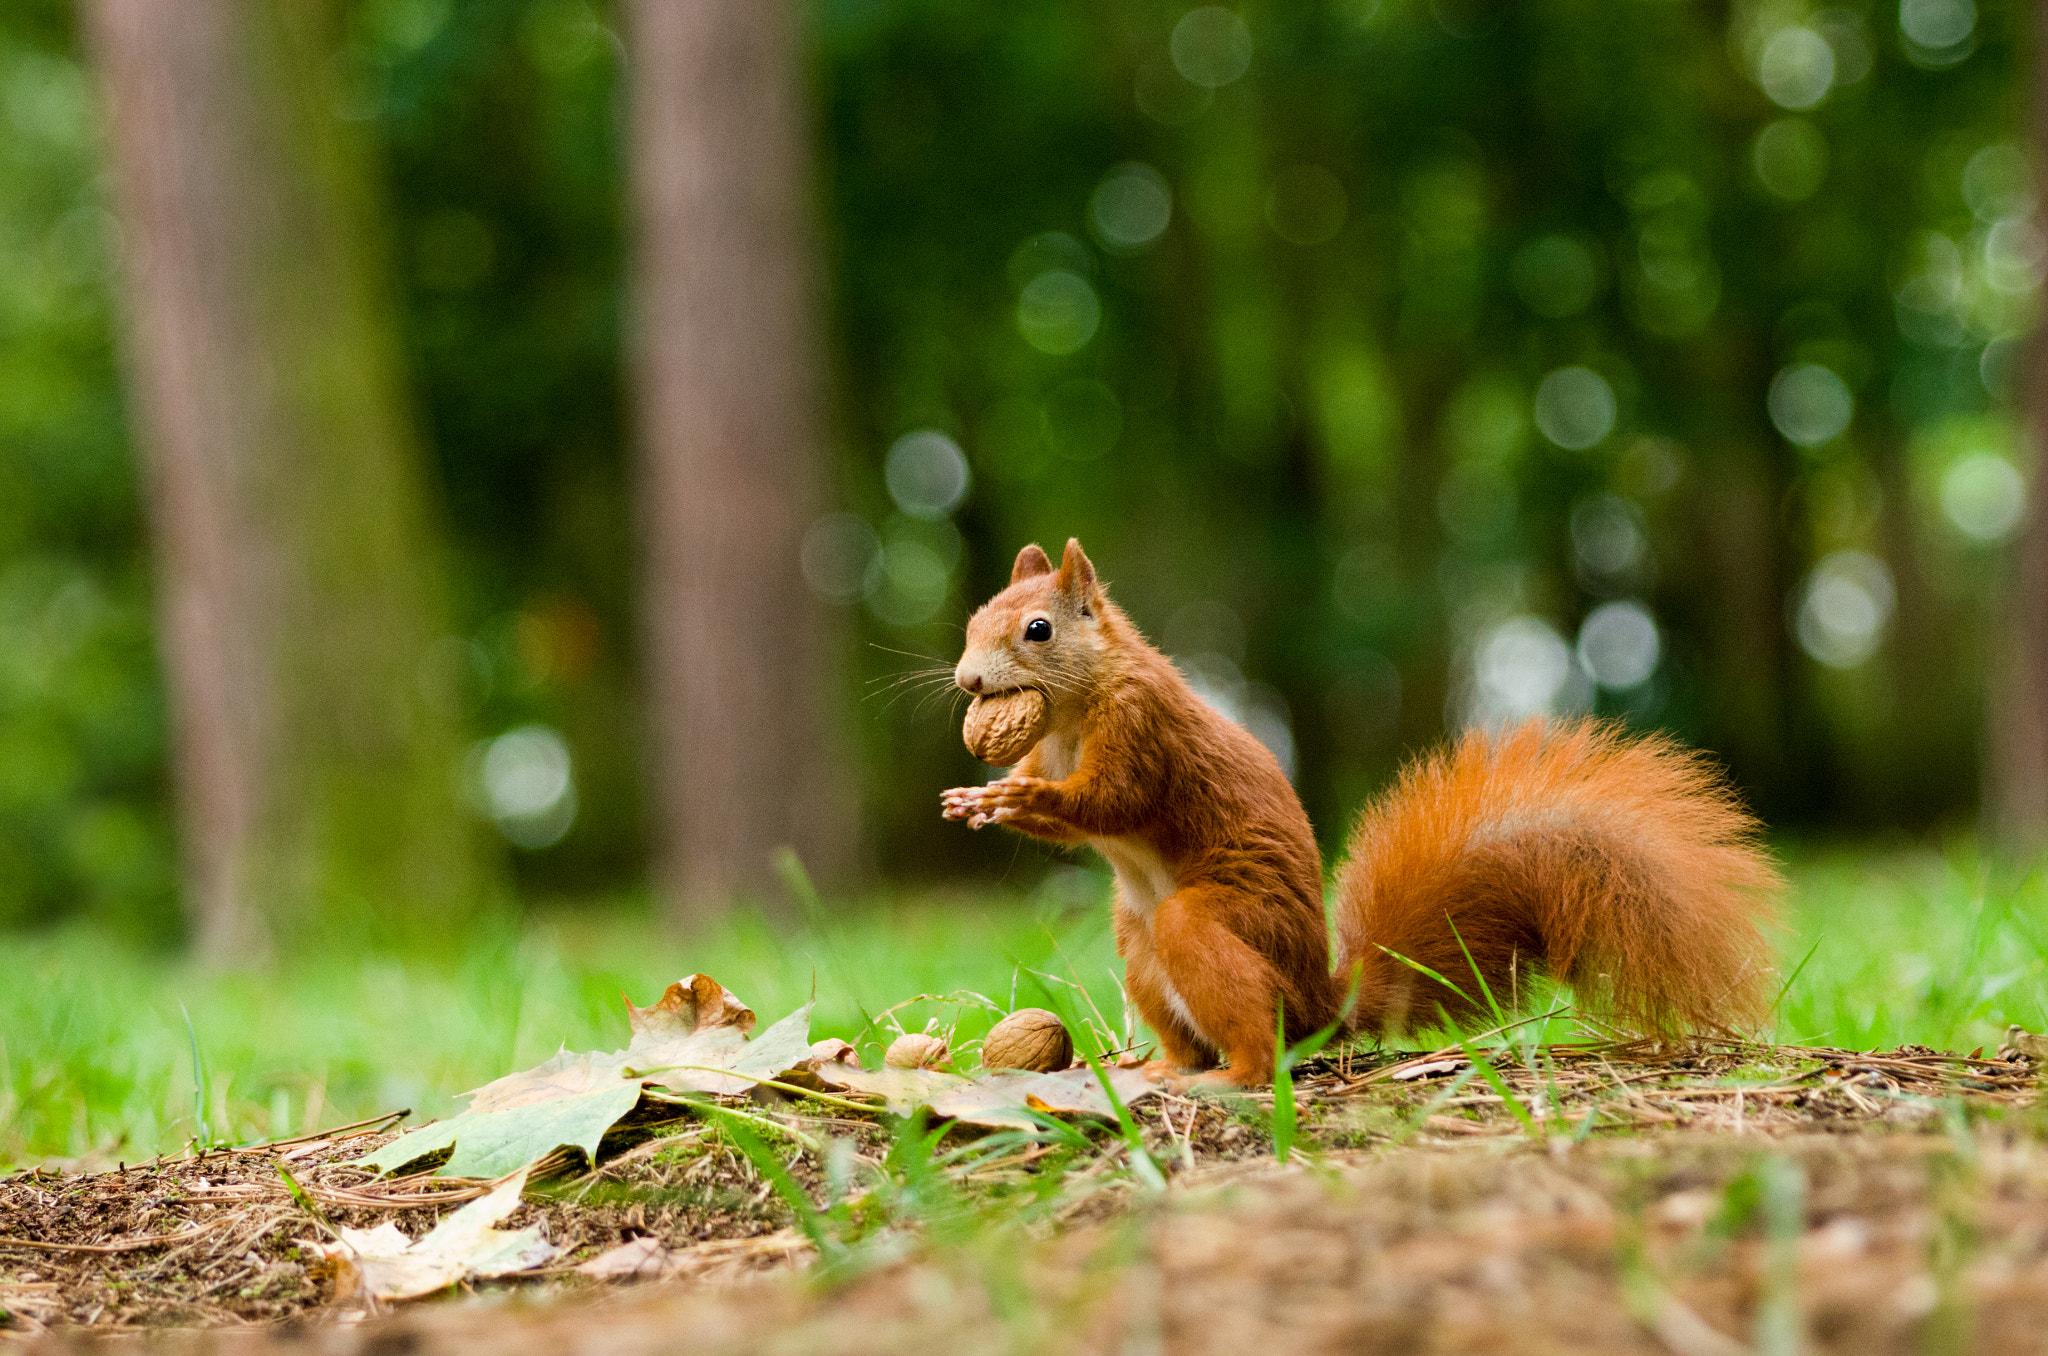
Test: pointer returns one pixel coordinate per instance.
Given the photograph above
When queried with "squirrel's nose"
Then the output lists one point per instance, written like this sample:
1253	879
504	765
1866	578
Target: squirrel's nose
970	681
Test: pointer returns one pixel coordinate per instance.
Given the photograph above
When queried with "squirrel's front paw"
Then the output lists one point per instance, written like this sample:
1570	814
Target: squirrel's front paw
960	802
993	803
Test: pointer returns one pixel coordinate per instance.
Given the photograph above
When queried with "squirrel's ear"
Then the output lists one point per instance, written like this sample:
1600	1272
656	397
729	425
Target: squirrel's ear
1077	573
1031	562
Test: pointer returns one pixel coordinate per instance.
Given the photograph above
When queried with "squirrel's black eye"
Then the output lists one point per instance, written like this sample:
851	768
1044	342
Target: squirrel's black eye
1038	628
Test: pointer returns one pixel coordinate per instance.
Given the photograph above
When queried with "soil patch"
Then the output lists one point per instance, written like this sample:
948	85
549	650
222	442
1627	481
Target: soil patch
1606	1194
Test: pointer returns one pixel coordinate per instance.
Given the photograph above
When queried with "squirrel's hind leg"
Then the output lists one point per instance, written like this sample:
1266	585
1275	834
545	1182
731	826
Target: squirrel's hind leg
1225	985
1145	984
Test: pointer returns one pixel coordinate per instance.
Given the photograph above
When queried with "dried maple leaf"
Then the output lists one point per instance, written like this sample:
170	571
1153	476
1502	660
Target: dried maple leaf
679	1043
663	1053
639	1258
492	1143
383	1264
691	1005
694	1039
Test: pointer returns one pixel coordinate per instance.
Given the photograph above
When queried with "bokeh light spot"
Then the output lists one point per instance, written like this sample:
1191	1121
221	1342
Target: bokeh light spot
906	583
524	782
1575	408
1049	250
1131	206
1810	404
561	37
1210	46
405	25
1797	68
1998	182
837	551
1791	159
1849	37
1607	537
1618	644
1844	608
926	474
1520	668
1998	366
1983	496
1937	25
1058	312
2014	256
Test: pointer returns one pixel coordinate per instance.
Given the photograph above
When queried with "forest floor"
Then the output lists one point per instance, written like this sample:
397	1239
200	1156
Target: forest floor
1572	1191
1592	1196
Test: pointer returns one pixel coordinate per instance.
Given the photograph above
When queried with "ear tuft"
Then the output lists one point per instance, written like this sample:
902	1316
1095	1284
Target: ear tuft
1031	562
1077	572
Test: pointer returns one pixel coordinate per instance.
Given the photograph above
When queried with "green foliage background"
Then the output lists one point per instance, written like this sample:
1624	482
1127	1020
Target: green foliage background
1302	436
83	825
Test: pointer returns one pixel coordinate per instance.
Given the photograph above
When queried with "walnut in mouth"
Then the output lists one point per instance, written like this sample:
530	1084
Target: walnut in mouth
1004	726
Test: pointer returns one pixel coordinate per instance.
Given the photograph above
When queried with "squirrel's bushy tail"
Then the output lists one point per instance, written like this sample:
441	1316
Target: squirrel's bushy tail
1621	864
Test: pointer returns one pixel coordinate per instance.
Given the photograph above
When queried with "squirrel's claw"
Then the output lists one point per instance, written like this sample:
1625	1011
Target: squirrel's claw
962	802
1187	1082
1160	1070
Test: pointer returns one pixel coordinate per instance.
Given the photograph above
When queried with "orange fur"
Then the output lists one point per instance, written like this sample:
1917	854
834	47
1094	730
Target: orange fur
1622	865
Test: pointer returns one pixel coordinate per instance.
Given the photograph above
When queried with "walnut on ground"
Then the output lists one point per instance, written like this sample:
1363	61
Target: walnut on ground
1029	1038
1003	726
915	1050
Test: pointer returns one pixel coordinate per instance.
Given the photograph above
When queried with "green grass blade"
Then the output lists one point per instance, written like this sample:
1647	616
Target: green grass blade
965	1157
1553	1098
198	1082
1493	1006
305	1202
797	881
1142	1163
1424	969
1309	1046
758	1080
696	1102
1792	978
1499	1085
1283	1087
1285	1057
771	1167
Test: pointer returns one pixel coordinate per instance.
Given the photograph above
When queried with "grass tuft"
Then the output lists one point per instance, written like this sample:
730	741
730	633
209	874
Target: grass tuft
97	1060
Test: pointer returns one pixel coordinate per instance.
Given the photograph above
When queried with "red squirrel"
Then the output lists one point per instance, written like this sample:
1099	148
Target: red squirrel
1622	865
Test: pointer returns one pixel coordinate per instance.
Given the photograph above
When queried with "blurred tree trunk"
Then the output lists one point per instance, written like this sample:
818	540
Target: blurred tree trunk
297	581
727	397
1743	615
2017	760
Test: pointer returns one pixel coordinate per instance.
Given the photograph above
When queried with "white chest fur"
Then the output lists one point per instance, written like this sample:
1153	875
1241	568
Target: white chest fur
1058	755
1142	879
